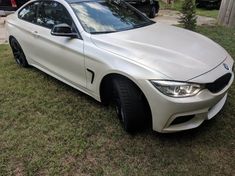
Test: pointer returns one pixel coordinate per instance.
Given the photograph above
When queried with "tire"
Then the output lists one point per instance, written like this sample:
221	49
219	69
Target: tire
152	12
218	5
157	7
18	53
130	105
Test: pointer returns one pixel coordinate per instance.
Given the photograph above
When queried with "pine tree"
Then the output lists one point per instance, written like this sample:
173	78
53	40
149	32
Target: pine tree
189	18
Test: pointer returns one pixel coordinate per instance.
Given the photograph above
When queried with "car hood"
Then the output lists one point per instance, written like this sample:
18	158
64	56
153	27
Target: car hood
177	53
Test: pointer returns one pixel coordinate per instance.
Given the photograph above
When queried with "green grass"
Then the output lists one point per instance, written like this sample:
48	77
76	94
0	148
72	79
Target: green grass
48	128
200	11
208	13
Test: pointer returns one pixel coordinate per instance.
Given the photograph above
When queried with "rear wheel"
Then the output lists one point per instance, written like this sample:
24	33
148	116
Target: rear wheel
152	12
18	53
130	105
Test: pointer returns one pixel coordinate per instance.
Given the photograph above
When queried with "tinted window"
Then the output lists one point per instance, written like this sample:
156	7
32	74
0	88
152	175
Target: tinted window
108	16
53	13
29	12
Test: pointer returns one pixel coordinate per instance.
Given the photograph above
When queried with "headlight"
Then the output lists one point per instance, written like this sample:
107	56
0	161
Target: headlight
177	89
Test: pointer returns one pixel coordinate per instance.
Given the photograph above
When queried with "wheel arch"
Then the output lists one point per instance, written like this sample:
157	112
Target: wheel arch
105	90
11	37
24	62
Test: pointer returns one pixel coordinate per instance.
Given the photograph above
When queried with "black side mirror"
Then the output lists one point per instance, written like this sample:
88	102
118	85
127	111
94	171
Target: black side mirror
63	30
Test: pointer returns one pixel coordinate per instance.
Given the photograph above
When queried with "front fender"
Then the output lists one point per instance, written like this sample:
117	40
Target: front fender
102	62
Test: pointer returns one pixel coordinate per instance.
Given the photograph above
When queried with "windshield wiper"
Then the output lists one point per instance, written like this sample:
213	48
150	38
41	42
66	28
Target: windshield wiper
143	24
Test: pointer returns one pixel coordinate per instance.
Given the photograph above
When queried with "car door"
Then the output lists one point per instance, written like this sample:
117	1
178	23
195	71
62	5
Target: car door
24	27
61	56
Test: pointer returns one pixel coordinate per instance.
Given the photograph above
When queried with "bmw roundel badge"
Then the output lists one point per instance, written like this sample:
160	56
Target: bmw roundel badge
226	66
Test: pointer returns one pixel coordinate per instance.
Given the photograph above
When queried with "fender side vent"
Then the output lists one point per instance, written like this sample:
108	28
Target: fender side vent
92	75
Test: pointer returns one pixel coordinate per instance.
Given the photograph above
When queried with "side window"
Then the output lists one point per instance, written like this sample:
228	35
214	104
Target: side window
53	13
29	12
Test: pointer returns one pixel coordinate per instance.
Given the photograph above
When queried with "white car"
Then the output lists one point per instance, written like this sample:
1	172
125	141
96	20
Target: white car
167	76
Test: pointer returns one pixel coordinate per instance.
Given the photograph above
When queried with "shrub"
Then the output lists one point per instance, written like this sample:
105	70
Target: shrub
188	17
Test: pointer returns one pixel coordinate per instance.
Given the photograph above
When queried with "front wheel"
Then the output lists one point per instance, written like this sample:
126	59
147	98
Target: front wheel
129	104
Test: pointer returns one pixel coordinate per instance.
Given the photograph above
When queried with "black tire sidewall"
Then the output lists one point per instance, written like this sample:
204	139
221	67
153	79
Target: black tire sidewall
131	108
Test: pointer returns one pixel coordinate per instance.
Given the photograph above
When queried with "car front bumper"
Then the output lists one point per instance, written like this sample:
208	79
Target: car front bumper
194	110
204	110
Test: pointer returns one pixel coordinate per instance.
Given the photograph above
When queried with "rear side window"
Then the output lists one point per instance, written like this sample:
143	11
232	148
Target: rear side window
53	13
29	12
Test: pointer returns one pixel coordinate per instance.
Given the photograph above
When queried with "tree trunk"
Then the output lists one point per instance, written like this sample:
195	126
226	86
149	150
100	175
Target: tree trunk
227	13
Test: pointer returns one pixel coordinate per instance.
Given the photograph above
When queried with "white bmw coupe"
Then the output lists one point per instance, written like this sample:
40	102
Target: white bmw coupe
173	78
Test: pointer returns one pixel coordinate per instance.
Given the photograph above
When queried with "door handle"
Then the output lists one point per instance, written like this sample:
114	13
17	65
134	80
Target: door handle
35	33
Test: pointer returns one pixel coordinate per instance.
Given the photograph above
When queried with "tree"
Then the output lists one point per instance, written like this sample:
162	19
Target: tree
227	13
188	17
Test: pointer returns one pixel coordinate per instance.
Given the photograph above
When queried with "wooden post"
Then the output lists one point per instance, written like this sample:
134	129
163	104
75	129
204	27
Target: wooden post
227	13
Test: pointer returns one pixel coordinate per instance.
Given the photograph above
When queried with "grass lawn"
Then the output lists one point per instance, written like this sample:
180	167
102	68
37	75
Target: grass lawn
48	128
200	11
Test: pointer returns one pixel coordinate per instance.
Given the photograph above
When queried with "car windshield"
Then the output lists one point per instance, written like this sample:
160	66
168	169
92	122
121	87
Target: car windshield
108	16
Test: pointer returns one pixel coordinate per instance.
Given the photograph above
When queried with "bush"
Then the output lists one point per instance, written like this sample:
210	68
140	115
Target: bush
189	18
